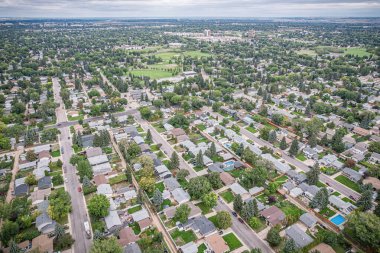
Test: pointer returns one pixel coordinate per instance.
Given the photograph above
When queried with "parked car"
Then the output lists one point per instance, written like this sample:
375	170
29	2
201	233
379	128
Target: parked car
79	189
241	220
234	214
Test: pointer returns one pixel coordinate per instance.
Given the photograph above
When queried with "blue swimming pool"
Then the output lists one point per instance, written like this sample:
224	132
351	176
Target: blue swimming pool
227	145
229	165
338	219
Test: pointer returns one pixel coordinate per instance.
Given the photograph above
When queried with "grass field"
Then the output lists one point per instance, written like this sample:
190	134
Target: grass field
183	237
307	52
301	157
56	153
347	182
134	209
327	212
202	248
359	51
152	73
205	209
196	54
232	241
228	196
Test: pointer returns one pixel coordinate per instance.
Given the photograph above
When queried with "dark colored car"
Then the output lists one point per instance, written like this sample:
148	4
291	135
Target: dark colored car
241	220
234	214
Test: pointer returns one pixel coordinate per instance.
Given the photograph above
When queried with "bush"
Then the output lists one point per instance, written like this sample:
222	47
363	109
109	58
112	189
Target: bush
28	234
63	243
57	180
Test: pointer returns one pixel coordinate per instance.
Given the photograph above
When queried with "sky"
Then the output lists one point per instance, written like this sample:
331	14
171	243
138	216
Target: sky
188	8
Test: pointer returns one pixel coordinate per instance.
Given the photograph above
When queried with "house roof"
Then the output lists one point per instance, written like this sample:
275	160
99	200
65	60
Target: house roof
93	151
145	223
140	215
226	178
190	247
39	195
43	205
180	195
308	219
273	215
161	169
112	219
44	182
42	221
322	248
298	235
99	159
238	189
217	243
374	181
201	224
100	179
105	189
171	183
352	173
43	243
132	248
102	168
216	167
130	194
178	132
127	236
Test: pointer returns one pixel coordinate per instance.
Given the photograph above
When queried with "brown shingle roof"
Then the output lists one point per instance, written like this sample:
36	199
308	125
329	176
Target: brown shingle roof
127	236
145	223
273	215
100	179
217	244
43	243
226	178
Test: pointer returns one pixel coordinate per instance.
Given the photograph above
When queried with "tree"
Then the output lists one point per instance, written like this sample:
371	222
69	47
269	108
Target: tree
336	141
283	144
31	179
223	220
8	231
84	169
264	133
147	184
293	150
98	206
108	245
199	187
365	228
59	231
59	204
312	140
182	174
98	235
212	150
238	203
254	222
182	213
313	175
240	150
256	250
214	179
31	156
273	236
199	159
272	136
14	248
290	246
174	161
210	199
365	200
320	200
377	210
157	198
148	137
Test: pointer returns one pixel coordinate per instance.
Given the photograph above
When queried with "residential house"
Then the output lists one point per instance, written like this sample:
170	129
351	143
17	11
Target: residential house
353	175
140	215
360	131
44	223
44	183
216	243
273	215
360	148
226	178
38	196
105	189
200	225
190	247
343	206
127	236
280	167
132	248
42	243
310	153
348	141
113	221
374	158
300	237
322	248
309	220
180	195
21	188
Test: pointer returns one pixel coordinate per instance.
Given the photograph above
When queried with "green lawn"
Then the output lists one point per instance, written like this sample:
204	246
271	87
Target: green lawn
213	219
205	209
251	129
236	173
136	228
107	150
56	153
154	147
281	179
79	117
183	237
195	54
328	170
134	209
202	248
348	200
117	179
327	212
347	182
232	241
291	211
307	52
201	127
301	157
359	51
160	186
228	196
152	73
336	194
320	184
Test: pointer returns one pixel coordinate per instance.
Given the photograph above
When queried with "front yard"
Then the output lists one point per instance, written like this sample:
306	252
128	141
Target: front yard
183	237
232	241
347	182
228	196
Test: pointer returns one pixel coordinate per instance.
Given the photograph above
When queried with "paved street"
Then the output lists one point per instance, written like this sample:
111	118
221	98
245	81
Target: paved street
246	234
79	212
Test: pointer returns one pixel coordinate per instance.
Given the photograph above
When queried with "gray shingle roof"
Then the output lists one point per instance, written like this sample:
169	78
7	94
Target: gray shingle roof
300	237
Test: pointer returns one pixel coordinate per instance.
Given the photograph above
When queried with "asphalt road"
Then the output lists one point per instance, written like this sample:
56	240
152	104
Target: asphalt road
78	214
246	234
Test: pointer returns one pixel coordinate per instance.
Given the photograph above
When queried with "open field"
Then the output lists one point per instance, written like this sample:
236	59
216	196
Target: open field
152	73
359	51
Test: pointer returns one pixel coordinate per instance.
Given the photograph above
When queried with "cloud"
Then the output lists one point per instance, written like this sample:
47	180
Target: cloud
188	8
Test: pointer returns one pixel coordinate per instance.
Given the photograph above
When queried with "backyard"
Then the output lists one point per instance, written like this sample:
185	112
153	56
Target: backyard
183	237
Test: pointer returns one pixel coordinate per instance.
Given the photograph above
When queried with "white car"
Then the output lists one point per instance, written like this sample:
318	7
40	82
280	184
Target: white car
66	180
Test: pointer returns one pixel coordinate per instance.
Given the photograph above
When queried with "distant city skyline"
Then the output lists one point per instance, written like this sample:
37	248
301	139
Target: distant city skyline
189	8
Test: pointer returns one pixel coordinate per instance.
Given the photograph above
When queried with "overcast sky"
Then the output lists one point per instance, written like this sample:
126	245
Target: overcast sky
190	8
